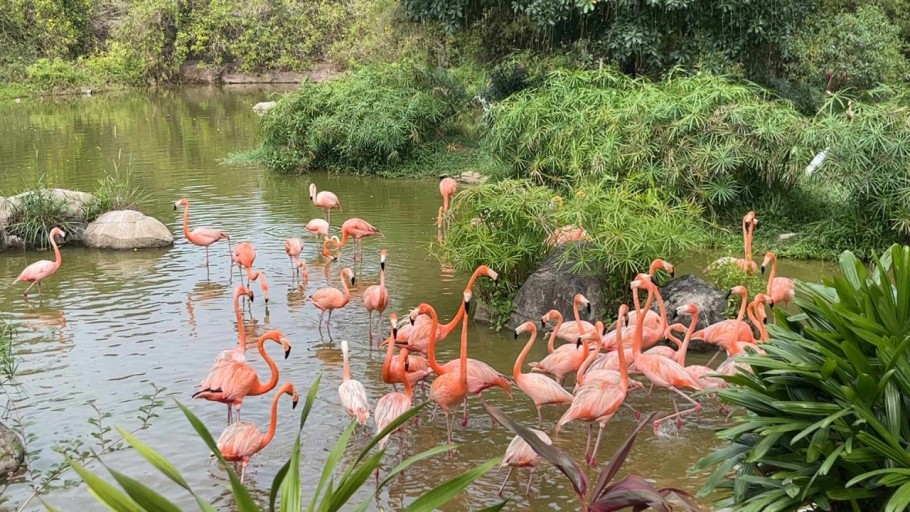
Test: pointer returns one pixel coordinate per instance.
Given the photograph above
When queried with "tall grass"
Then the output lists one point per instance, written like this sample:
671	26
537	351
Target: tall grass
115	191
37	212
362	122
8	364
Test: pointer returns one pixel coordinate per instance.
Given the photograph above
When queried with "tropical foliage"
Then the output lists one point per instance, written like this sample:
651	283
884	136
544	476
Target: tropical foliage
826	420
333	491
361	122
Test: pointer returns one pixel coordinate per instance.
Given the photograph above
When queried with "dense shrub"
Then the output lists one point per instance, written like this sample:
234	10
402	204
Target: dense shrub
826	424
361	122
54	74
858	50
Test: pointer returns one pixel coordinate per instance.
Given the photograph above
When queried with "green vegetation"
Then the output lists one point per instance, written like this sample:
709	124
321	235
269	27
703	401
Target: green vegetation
363	122
38	211
827	418
333	492
8	362
115	191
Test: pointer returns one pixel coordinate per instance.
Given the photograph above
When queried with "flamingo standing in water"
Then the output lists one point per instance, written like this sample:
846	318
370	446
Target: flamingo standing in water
480	375
356	229
541	389
652	318
325	200
319	227
241	440
376	297
662	371
725	332
598	401
570	331
417	335
302	271
750	222
244	255
327	256
203	237
237	353
42	269
519	454
780	289
293	247
447	188
449	389
394	404
704	375
229	382
353	394
330	299
415	367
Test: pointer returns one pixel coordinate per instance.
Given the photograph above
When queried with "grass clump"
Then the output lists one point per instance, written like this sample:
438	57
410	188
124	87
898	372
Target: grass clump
363	122
827	418
115	191
36	212
8	362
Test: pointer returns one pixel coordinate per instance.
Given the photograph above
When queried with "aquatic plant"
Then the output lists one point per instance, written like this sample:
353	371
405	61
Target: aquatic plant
360	122
332	492
37	211
8	362
607	494
826	421
115	191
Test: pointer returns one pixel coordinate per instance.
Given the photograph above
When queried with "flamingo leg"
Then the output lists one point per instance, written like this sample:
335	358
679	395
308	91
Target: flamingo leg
636	411
696	407
503	486
600	433
229	414
530	478
539	418
713	358
370	316
242	471
464	420
30	287
588	442
206	256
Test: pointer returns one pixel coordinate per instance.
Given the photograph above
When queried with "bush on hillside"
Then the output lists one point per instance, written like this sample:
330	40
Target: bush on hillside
361	122
826	424
850	50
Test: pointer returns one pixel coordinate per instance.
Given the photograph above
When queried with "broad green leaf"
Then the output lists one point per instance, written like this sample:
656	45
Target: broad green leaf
290	486
349	485
444	492
145	497
405	464
310	399
106	493
331	463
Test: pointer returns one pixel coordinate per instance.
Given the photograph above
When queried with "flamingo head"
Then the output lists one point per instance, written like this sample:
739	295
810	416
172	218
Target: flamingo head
291	390
243	290
422	309
688	309
769	257
346	272
665	265
393	320
182	202
312	191
748	218
581	299
467	296
739	290
286	345
382	256
57	232
525	327
548	316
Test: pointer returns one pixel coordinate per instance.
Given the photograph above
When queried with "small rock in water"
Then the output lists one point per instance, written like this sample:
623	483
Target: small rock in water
263	106
12	453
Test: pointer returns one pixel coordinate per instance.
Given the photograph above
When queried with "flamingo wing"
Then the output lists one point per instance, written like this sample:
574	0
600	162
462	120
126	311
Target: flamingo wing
37	271
520	454
665	372
240	440
327	298
543	390
354	400
389	408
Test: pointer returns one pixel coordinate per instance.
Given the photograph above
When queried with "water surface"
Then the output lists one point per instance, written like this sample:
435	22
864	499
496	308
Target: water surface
109	325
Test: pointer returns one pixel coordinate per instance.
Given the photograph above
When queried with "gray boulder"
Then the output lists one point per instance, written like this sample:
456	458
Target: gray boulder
471	178
553	286
127	229
76	201
689	289
12	453
263	106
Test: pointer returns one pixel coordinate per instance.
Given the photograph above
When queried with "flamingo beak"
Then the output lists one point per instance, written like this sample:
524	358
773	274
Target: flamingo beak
578	343
407	364
394	332
727	295
467	306
266	299
543	325
411	318
771	303
382	265
515	333
287	352
588	307
764	320
294	403
762	270
175	206
673	273
252	297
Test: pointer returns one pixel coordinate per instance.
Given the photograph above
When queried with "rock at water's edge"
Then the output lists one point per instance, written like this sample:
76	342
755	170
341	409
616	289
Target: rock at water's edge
471	178
75	201
553	286
12	453
127	229
264	106
689	289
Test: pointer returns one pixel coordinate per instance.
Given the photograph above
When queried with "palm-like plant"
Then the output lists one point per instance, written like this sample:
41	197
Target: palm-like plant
332	493
827	421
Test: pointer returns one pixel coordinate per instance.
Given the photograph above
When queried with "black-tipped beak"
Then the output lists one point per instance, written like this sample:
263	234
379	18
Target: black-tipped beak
294	404
382	265
287	352
353	280
411	319
543	325
515	335
175	206
673	273
771	303
764	320
252	297
334	258
762	270
727	296
588	307
578	342
395	333
407	364
467	306
266	300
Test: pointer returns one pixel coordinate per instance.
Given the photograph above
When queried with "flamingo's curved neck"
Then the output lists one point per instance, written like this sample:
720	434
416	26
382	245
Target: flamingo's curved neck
273	422
464	353
623	371
772	274
403	358
684	348
347	291
344	238
739	318
387	363
445	202
186	220
431	349
640	323
264	387
241	328
346	372
592	355
550	344
660	307
581	329
57	258
516	368
749	241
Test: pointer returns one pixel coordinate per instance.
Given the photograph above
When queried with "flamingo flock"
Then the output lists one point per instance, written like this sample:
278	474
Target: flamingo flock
600	359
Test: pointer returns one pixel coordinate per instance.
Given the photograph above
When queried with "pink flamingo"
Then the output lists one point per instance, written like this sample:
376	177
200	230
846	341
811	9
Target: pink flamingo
447	188
652	318
568	233
414	367
758	316
325	200
750	222
563	362
449	389
353	394
241	440
229	382
327	255
570	331
480	375
780	289
237	353
519	454
293	247
302	271
598	401
726	331
547	318
417	335
42	269
541	389
330	299
244	255
663	372
704	375
357	229
318	227
376	297
203	237
587	373
394	404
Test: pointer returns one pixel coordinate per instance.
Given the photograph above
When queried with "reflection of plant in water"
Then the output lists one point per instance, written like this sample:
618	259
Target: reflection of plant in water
75	450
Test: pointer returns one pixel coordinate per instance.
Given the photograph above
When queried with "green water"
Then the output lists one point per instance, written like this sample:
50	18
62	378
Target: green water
110	324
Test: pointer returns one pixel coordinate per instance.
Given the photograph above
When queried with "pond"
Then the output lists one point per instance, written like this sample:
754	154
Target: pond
110	325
